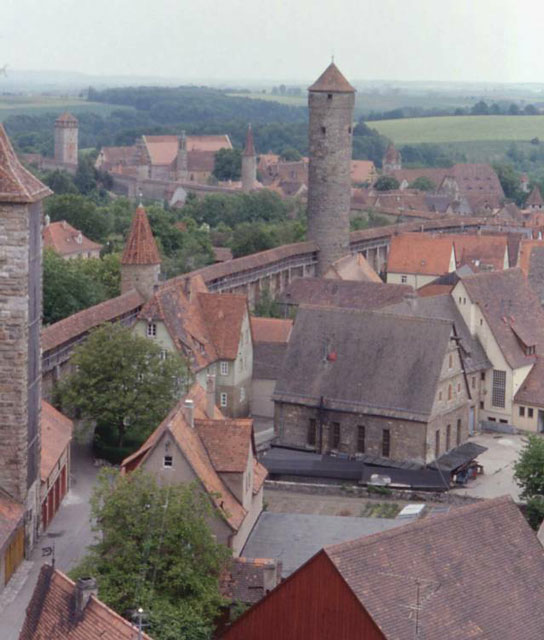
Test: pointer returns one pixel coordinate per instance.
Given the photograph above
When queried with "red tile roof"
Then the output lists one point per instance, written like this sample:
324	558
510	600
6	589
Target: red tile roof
56	432
228	443
419	253
83	321
163	150
66	117
249	149
480	252
332	80
223	314
51	615
140	247
16	183
461	576
354	267
526	249
391	154
271	329
221	254
11	517
67	240
362	171
535	198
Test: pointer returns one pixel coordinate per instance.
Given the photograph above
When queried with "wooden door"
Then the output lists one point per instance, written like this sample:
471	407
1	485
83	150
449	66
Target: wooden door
14	554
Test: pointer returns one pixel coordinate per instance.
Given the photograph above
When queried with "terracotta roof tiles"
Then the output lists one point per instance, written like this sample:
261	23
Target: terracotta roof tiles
51	616
223	314
140	247
271	329
17	185
56	434
228	443
332	80
535	198
420	253
67	240
461	576
79	323
66	117
249	149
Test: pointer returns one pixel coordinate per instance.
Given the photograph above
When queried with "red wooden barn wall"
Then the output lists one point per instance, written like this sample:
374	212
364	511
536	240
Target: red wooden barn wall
314	603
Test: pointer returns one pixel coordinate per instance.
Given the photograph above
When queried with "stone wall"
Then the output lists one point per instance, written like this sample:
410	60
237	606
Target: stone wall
142	277
329	186
408	440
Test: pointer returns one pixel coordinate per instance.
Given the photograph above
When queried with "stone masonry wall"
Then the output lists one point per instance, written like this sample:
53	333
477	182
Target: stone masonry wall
249	172
329	188
408	439
142	277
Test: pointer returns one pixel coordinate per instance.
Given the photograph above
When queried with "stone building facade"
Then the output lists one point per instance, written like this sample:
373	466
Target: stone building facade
66	140
20	323
330	100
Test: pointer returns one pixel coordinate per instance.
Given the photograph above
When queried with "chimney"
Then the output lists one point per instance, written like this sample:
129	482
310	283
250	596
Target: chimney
189	411
271	575
85	588
210	396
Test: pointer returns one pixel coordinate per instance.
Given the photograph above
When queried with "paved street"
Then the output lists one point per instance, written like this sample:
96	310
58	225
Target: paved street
70	532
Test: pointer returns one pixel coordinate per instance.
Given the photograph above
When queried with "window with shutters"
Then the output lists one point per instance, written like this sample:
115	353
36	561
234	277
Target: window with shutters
498	395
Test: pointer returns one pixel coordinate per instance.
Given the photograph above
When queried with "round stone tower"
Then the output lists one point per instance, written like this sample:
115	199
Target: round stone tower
66	134
249	163
330	100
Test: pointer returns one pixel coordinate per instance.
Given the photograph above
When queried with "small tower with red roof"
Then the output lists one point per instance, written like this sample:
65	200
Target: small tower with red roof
66	140
141	263
392	160
534	201
249	163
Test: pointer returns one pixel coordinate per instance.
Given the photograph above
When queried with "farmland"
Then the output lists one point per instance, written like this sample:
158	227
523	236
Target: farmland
461	129
38	105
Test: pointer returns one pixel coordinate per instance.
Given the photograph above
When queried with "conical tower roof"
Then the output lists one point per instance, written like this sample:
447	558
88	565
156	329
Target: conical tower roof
16	183
535	197
140	247
66	117
249	149
332	81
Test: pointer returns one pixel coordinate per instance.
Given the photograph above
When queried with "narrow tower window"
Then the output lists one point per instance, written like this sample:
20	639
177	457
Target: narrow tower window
329	96
323	130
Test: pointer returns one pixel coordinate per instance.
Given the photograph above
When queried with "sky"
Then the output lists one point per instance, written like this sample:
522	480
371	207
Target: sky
283	40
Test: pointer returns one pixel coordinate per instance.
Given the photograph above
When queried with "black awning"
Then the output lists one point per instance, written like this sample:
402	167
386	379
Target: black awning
458	457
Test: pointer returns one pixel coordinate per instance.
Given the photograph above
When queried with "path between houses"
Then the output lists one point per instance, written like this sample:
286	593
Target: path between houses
70	532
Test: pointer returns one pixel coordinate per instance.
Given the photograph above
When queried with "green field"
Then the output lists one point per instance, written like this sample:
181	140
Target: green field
36	105
461	129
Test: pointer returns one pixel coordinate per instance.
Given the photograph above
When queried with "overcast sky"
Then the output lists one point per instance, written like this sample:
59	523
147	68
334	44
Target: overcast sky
467	40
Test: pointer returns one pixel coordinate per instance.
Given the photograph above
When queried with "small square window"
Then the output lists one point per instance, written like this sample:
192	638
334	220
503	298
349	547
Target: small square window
482	375
329	96
168	462
164	354
223	399
404	279
481	404
522	411
151	330
530	412
224	368
323	130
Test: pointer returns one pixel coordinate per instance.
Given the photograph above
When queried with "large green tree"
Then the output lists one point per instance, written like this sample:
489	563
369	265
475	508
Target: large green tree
529	474
70	285
155	550
123	384
228	164
386	183
82	213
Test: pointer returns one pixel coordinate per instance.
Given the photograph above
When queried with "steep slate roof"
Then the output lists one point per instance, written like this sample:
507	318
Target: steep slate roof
56	434
64	239
511	310
51	615
83	321
268	359
331	80
443	306
271	329
140	247
364	361
343	293
462	577
17	185
419	253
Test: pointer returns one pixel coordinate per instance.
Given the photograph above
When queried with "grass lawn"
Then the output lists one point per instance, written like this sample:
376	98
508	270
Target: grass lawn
35	105
461	129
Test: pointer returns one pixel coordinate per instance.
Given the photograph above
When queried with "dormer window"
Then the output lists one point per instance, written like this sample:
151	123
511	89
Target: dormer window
530	350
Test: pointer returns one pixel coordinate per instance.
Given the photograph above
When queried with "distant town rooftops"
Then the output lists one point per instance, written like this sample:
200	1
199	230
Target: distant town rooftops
66	240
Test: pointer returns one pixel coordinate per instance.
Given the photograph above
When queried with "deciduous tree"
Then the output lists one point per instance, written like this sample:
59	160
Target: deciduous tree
529	474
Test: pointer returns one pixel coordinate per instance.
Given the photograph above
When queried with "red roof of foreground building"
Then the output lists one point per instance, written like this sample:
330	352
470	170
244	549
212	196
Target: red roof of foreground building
140	247
271	329
51	614
332	80
420	253
16	183
67	240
